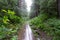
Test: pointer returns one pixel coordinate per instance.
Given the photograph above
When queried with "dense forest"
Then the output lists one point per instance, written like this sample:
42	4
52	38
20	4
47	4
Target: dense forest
10	19
44	19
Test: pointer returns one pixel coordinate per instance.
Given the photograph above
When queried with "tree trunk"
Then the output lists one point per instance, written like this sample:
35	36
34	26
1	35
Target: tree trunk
58	8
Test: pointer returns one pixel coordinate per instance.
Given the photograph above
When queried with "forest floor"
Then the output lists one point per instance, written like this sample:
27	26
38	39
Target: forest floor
44	36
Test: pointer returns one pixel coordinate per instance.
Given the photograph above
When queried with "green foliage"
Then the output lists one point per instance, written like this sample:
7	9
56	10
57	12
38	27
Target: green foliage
8	4
14	38
49	6
46	19
5	19
7	32
40	19
10	17
8	24
10	20
49	25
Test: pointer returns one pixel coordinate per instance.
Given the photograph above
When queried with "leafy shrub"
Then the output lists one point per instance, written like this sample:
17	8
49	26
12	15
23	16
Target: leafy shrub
49	25
46	19
9	24
9	16
40	19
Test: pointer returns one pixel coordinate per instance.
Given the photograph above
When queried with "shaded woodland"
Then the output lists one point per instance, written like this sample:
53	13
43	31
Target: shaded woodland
47	22
44	18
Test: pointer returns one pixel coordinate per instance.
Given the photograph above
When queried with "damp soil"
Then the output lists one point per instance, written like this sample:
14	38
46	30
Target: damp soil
43	35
